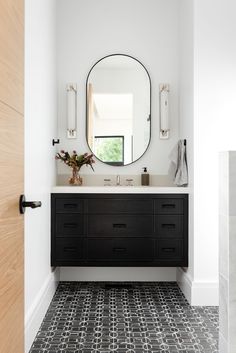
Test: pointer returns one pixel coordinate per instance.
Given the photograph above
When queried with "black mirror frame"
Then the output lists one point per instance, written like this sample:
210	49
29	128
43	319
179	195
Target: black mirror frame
150	114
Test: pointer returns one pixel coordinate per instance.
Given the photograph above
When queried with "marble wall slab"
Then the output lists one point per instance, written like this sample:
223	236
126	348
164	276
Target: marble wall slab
227	252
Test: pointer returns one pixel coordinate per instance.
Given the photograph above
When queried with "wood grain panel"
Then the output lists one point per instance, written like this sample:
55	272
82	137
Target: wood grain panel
11	231
12	53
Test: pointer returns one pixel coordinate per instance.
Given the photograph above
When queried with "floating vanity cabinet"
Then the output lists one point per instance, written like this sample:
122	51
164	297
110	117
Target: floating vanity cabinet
119	230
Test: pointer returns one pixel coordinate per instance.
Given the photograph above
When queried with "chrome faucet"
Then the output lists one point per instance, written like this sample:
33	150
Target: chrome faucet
117	180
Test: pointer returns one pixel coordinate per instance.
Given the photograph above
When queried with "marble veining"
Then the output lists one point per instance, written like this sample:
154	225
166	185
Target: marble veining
227	254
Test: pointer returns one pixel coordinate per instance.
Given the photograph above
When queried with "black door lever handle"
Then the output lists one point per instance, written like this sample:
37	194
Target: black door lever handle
23	204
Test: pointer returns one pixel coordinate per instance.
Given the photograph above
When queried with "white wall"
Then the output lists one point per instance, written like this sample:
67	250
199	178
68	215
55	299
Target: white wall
149	31
186	113
186	80
214	122
40	128
214	130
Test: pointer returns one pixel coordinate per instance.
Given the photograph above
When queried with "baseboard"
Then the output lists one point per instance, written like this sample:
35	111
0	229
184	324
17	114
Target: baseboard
38	309
184	283
119	274
198	293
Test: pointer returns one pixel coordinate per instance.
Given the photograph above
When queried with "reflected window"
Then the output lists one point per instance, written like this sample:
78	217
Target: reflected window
110	149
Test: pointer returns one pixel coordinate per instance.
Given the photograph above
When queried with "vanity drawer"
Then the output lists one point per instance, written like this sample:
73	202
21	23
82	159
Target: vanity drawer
69	224
68	249
118	249
170	249
169	206
69	206
117	225
125	206
169	226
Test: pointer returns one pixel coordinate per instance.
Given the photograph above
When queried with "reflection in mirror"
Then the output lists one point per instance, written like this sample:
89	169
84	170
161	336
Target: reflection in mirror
118	109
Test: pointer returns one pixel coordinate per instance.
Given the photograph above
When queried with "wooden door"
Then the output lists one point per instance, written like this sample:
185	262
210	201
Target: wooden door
11	175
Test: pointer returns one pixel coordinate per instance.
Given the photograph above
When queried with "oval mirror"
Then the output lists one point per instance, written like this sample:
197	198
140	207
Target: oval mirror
118	109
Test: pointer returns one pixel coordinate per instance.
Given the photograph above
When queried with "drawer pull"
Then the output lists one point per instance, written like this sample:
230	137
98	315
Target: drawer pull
168	249
168	225
70	205
119	225
168	205
70	249
70	225
119	249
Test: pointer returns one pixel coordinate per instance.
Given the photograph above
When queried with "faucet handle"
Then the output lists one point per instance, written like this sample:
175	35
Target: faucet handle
118	180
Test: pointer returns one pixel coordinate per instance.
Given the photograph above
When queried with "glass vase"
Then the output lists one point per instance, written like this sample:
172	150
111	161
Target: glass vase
75	178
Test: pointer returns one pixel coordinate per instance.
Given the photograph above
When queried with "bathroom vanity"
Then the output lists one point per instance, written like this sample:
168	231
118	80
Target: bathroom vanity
122	228
118	226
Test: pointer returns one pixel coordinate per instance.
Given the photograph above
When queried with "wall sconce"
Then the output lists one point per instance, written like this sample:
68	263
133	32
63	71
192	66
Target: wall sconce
71	89
164	90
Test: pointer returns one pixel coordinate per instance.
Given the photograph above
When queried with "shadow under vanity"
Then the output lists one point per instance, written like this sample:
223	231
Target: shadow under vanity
113	229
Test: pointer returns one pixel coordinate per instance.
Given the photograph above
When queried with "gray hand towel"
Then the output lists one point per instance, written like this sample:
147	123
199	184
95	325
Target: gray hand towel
178	168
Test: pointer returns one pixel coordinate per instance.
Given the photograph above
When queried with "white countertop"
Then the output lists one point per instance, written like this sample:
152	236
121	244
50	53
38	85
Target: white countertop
120	190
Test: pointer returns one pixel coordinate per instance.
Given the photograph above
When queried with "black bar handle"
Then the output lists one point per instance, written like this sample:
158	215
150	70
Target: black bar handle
70	225
168	205
168	249
168	225
23	204
70	205
69	249
119	249
119	225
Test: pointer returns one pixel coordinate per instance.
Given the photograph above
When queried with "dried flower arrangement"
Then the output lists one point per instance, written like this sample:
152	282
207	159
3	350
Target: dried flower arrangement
75	162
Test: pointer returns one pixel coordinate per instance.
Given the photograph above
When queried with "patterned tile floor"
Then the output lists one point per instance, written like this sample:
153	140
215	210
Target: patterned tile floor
125	318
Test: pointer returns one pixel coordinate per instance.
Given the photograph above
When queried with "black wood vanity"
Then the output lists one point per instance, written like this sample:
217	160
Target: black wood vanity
119	229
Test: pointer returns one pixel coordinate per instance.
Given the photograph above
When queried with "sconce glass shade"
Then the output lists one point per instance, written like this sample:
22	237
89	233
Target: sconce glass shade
164	111
71	110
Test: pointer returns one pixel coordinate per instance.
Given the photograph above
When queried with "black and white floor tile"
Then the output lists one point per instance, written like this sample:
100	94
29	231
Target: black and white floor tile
135	317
